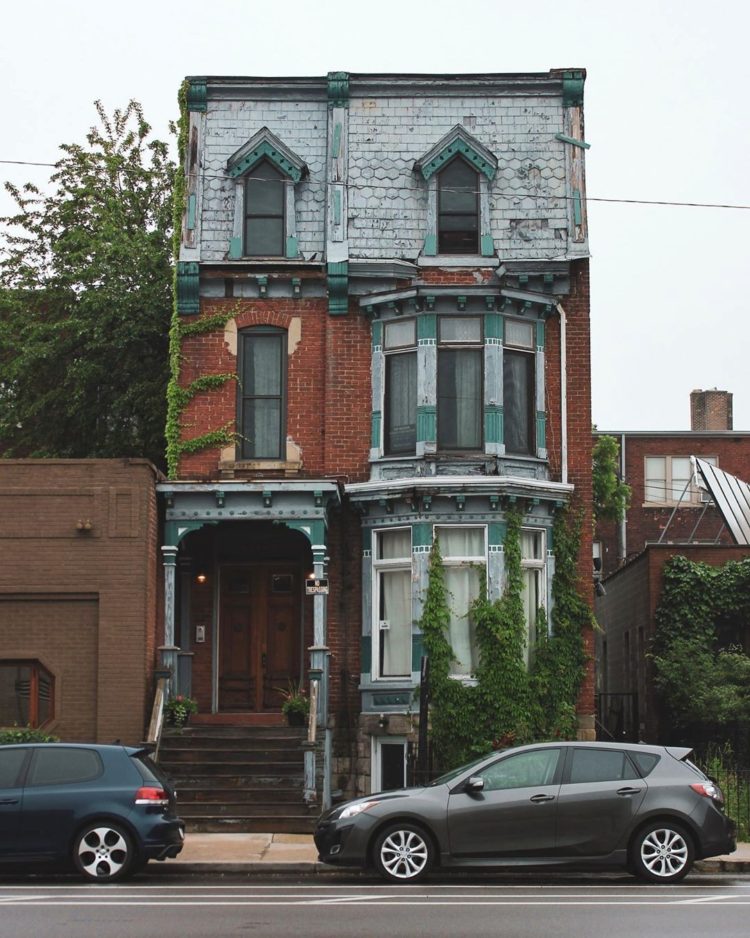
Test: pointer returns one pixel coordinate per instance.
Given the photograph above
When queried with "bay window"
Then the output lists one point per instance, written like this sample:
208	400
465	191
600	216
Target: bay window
459	383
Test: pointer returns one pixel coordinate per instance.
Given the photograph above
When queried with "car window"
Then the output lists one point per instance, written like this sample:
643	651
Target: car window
11	761
64	766
524	770
150	771
600	765
646	761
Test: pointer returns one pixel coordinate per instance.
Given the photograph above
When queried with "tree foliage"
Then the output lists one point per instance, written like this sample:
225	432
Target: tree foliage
85	299
611	494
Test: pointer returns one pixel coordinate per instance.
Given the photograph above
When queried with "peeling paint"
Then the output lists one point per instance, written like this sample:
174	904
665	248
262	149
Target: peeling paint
294	335
230	336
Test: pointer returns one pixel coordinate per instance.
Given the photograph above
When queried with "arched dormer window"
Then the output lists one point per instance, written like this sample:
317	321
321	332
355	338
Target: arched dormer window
265	172
458	209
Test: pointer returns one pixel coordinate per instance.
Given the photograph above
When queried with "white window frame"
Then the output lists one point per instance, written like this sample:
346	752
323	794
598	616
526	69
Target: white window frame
693	498
376	759
464	562
379	566
539	565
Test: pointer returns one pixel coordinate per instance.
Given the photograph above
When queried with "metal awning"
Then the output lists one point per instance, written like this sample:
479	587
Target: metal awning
731	495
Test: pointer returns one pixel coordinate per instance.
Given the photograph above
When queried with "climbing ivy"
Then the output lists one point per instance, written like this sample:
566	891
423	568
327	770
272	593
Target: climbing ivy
508	702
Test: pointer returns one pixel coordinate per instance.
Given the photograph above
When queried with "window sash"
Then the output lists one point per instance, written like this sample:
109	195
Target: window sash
401	403
262	394
392	572
265	198
665	478
464	552
519	402
458	209
459	403
26	694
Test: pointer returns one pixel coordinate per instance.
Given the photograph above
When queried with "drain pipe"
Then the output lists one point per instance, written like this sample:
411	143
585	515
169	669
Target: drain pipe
563	393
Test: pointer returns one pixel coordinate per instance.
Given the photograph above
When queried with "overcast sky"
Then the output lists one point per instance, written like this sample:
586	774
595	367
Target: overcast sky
666	108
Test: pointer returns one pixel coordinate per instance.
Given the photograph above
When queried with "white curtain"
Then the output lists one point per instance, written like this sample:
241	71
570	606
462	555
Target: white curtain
395	605
463	587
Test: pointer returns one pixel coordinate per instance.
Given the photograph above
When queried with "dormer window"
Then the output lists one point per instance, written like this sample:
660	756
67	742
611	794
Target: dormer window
264	211
458	209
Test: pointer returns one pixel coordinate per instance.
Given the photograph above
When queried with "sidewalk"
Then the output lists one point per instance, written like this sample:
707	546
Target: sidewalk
296	853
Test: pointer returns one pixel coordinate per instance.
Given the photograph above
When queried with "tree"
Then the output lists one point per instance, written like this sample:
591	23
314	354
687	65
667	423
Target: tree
85	299
611	494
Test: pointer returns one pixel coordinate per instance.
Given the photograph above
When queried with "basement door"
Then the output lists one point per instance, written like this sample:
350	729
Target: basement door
259	635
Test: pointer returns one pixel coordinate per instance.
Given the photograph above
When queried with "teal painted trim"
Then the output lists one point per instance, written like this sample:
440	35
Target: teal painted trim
541	430
336	144
427	327
427	423
430	246
458	147
375	424
493	326
338	288
540	333
416	652
191	212
337	206
188	282
421	535
493	423
197	94
367	539
365	654
390	700
572	140
497	533
265	150
577	210
573	82
377	333
488	246
292	250
235	249
338	89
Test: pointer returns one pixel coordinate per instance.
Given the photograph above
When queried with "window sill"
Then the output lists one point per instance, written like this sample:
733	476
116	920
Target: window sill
458	260
261	465
670	505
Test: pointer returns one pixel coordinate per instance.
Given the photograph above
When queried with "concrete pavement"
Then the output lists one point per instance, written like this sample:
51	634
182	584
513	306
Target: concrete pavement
296	853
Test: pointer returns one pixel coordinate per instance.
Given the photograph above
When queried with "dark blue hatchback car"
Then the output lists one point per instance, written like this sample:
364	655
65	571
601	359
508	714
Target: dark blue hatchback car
102	810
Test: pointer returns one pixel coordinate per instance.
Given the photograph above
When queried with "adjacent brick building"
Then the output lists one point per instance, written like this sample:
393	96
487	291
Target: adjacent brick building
78	596
383	337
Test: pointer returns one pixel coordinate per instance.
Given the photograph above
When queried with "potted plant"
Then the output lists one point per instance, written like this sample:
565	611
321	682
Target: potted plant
296	703
179	708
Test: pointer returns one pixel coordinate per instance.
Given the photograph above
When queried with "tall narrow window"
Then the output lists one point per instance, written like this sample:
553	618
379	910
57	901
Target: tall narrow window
264	211
400	386
262	393
518	387
464	556
534	584
459	383
392	626
458	209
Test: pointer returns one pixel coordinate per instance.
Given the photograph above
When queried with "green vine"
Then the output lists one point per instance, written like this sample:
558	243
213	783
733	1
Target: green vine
509	702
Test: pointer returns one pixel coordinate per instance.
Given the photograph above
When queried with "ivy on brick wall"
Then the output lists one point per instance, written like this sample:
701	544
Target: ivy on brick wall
508	702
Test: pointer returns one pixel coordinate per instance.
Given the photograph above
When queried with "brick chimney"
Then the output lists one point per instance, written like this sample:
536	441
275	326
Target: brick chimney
710	410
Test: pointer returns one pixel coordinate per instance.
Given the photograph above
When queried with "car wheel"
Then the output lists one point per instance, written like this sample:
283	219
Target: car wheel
403	853
663	853
103	853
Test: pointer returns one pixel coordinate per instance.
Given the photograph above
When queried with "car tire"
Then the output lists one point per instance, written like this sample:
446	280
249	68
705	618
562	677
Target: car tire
103	852
403	853
662	853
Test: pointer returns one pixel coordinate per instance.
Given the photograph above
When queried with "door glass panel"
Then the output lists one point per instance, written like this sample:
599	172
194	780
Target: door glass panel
392	766
600	765
64	766
525	770
10	765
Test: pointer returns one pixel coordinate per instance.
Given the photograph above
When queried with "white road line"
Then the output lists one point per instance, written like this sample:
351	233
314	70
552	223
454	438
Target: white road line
189	904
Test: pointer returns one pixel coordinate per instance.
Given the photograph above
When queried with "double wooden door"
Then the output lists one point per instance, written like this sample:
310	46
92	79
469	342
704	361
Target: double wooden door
259	635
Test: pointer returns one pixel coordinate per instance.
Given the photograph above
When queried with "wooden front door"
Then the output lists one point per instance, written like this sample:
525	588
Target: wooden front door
259	635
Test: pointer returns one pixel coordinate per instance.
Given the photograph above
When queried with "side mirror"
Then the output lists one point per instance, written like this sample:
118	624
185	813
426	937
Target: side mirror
475	783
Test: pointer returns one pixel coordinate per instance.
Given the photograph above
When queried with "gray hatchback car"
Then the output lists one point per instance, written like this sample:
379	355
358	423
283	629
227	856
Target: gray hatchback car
647	809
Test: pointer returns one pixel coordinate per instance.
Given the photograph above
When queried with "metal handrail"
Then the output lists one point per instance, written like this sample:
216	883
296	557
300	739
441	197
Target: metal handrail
157	715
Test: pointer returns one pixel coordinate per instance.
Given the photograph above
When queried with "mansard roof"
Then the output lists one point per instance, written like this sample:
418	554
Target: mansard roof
457	141
266	145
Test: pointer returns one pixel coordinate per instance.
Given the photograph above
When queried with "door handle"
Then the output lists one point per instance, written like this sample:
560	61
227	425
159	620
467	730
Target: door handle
538	799
8	800
628	791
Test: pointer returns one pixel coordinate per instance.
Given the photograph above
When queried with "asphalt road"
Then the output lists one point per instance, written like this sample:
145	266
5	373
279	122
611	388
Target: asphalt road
213	907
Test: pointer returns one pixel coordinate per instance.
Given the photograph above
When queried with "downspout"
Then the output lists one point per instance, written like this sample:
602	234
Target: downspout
563	394
624	523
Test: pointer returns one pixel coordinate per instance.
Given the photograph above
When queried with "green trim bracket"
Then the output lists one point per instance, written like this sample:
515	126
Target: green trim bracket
338	89
572	140
197	94
188	283
338	288
573	82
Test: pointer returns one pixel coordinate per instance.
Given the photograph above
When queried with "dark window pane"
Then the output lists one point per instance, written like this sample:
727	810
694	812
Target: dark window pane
261	428
11	761
401	403
64	766
264	236
646	761
518	399
458	209
264	211
460	398
392	763
600	765
15	690
264	194
262	394
262	365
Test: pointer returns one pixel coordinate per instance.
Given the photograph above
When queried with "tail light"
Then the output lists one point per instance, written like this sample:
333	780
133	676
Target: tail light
150	795
709	790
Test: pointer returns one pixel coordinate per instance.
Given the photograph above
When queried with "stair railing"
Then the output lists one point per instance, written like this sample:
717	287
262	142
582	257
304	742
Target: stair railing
157	715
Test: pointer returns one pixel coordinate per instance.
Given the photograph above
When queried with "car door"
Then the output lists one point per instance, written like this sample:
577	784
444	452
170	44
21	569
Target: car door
12	762
599	799
513	815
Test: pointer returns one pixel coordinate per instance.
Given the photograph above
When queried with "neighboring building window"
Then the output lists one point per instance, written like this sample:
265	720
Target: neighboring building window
265	197
262	393
668	479
400	346
393	619
459	383
26	694
464	555
458	209
518	387
533	571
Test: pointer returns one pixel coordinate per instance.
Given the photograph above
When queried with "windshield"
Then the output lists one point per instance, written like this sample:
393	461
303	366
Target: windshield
449	776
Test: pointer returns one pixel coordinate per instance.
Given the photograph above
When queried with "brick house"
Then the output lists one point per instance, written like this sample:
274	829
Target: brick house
383	301
79	599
